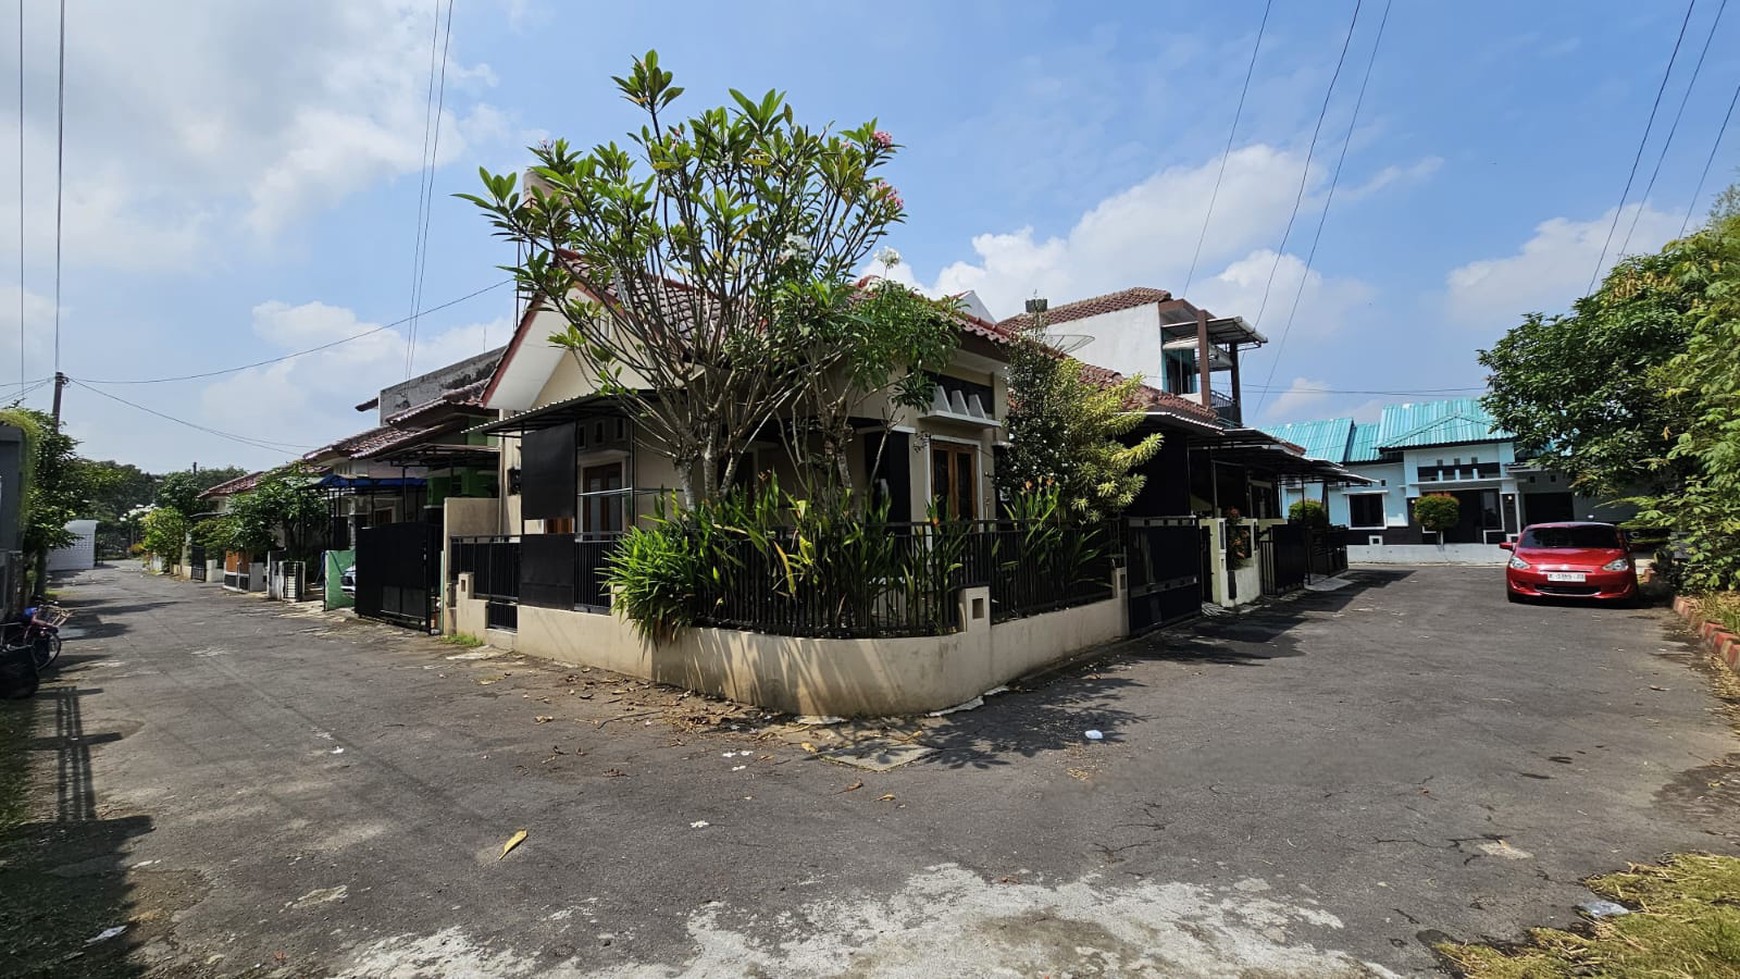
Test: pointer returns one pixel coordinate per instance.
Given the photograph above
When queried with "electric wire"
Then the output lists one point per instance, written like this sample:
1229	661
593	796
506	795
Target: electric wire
1674	127
426	207
1711	159
1601	263
1227	154
59	177
1305	171
21	265
301	353
1328	199
248	440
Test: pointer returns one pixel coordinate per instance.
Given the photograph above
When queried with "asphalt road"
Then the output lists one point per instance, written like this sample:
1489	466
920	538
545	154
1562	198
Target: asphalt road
1321	789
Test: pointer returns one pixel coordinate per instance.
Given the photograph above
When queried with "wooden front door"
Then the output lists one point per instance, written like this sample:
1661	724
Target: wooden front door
602	511
953	481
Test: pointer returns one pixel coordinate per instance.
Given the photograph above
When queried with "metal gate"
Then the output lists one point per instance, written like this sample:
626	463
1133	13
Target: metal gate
196	562
1165	568
1286	558
398	574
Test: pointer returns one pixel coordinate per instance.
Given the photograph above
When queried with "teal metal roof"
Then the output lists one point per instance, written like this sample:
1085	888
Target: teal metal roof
1326	439
1451	422
1363	447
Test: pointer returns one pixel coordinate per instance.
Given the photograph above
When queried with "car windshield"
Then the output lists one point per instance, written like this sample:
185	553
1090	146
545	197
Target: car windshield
1554	538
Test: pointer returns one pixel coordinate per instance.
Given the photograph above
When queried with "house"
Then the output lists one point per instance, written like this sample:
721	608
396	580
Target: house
574	461
1453	447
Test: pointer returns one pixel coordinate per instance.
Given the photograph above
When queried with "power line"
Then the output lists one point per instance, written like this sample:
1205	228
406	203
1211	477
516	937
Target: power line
21	265
1687	97
310	350
243	439
1656	105
426	188
59	177
1231	134
1720	132
1305	173
1328	199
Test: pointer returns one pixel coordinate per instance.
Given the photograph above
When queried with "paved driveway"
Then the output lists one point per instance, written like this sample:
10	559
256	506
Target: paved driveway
1321	789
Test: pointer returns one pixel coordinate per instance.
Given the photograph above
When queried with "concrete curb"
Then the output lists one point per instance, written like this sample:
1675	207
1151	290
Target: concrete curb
1721	643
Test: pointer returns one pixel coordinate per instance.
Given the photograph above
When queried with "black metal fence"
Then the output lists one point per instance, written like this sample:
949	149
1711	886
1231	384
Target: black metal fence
196	562
1169	570
1286	560
1328	552
900	580
397	573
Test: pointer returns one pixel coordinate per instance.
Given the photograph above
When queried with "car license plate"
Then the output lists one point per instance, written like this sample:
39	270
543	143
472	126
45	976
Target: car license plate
1569	577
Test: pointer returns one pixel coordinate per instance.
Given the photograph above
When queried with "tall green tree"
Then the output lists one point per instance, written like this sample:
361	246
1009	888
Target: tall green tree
180	490
1579	391
282	510
690	244
116	488
1702	384
1067	432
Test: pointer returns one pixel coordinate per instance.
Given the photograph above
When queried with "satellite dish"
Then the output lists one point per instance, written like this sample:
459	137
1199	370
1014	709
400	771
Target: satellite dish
1067	343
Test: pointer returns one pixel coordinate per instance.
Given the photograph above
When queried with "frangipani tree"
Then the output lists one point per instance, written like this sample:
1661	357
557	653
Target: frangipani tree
695	265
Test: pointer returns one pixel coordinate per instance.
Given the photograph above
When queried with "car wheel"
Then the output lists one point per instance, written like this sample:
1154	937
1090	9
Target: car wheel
1513	597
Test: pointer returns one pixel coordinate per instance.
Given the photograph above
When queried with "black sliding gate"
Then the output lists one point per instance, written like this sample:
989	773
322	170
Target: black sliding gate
1166	568
1286	558
398	570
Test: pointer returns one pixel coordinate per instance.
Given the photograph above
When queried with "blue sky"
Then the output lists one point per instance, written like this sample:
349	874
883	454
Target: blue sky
242	178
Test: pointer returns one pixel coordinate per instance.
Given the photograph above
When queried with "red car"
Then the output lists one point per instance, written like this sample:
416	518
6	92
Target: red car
1570	560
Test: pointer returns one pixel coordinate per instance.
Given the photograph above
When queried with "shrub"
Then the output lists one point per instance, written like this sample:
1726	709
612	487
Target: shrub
1310	513
1437	512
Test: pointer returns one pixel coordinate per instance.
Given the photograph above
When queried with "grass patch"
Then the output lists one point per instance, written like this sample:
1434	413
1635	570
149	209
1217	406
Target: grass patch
1686	925
464	640
1723	607
17	726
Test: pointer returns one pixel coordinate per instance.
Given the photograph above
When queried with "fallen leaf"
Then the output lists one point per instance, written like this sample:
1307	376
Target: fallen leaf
1654	687
542	719
615	773
855	786
808	747
513	841
889	797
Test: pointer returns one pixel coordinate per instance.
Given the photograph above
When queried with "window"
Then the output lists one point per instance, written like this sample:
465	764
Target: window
1573	537
602	504
1365	511
953	484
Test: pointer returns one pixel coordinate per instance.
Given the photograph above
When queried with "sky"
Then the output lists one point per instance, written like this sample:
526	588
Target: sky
242	180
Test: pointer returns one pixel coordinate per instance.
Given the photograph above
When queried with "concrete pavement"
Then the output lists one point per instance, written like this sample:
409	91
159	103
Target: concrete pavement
1320	789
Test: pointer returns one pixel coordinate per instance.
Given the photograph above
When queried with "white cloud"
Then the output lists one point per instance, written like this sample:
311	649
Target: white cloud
1146	235
1369	412
1302	399
38	337
321	389
1551	269
226	123
1324	304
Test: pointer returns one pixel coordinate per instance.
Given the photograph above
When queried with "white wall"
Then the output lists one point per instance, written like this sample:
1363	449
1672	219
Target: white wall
1487	555
1127	341
81	554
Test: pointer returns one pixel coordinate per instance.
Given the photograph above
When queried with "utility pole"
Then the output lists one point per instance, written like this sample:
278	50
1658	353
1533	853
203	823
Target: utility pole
59	383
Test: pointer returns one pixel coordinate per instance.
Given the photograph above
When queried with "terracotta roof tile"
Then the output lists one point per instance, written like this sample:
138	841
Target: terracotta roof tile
1111	302
1149	398
241	484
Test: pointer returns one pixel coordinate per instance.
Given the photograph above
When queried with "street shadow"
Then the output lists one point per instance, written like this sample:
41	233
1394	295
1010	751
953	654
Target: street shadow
1051	713
63	883
1259	633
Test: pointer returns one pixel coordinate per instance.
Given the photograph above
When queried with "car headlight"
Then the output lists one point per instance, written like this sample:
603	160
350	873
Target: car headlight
1519	564
1617	564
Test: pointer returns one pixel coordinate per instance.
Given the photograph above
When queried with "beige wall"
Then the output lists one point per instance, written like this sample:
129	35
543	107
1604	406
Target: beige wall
847	677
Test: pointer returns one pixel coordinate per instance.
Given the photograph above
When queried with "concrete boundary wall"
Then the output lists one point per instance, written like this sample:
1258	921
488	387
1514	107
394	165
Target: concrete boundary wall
846	677
1484	555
